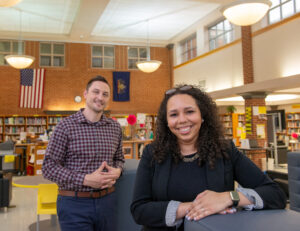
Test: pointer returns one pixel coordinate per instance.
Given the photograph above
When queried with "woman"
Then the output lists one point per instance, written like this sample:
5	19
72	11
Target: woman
189	170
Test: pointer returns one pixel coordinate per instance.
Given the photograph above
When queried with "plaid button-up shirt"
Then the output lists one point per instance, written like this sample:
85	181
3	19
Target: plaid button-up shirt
78	147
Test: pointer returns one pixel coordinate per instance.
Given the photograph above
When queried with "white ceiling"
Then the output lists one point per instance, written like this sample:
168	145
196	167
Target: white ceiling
105	21
109	21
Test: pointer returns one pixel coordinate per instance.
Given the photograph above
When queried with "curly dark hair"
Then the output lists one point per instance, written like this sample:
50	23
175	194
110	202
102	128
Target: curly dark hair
211	143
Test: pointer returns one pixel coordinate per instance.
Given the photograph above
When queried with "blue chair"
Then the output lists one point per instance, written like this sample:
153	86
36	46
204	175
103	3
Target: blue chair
294	180
124	190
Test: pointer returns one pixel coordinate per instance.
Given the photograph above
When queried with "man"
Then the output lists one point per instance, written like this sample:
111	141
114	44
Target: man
84	157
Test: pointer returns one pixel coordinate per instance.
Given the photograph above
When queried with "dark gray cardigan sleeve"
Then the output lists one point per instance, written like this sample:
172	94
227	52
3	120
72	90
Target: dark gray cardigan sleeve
145	210
248	175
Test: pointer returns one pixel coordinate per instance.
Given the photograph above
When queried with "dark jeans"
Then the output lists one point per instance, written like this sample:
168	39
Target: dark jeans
87	214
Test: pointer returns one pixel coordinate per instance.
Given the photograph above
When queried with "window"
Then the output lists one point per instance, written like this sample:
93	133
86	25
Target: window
103	56
282	9
136	54
220	34
188	48
52	55
8	48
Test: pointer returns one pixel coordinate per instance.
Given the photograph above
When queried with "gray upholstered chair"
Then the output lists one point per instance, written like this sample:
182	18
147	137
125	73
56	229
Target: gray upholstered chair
294	180
124	189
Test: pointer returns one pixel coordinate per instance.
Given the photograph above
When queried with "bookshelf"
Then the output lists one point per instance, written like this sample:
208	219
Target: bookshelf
145	130
292	125
53	120
34	158
226	119
293	122
231	123
12	125
1	128
36	124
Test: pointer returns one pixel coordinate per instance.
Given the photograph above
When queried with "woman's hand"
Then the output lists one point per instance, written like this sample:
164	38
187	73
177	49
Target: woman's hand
183	209
208	203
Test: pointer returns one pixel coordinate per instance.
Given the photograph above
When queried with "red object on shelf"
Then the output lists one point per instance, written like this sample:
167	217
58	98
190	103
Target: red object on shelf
131	119
30	171
295	135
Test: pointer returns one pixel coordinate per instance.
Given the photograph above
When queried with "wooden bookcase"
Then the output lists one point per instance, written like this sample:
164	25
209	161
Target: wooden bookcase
146	131
12	125
36	124
53	120
226	119
292	125
231	123
1	128
133	149
34	157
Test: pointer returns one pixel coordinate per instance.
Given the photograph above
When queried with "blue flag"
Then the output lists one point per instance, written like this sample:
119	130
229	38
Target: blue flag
121	82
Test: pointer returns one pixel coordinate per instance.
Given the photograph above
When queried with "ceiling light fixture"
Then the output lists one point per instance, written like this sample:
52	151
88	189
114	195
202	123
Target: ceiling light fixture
246	12
19	61
8	3
149	65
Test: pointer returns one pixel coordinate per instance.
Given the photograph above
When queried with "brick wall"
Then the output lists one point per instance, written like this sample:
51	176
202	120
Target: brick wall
257	155
247	54
63	84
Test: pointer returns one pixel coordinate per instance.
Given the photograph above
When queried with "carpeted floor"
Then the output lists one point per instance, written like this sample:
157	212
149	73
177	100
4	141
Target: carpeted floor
45	225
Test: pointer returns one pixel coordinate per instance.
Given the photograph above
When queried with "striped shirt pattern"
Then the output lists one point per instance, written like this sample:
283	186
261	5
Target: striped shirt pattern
32	88
78	147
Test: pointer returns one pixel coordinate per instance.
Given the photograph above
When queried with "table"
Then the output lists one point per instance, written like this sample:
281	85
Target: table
259	220
244	150
30	181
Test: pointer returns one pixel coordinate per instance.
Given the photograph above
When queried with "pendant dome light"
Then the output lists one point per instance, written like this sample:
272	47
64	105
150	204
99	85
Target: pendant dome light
149	65
246	12
19	61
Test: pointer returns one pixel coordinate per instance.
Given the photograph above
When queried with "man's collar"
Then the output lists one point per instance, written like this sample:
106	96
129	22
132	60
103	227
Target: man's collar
82	119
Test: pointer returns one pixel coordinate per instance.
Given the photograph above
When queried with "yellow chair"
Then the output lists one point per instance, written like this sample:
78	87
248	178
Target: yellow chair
46	202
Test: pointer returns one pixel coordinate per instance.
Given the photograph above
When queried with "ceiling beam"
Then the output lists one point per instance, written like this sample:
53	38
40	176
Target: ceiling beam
86	18
266	86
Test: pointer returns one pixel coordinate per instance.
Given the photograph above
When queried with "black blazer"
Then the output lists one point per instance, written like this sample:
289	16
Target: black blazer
150	198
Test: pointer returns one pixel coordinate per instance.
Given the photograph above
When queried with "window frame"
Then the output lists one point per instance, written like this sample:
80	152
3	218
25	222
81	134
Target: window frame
52	54
187	50
11	51
280	6
217	36
138	58
103	56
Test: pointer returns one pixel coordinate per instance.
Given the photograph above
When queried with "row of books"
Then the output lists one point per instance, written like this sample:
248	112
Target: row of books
35	129
54	120
36	120
13	130
293	116
294	124
14	120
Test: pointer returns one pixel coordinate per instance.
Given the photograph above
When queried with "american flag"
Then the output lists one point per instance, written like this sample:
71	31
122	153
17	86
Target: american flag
32	88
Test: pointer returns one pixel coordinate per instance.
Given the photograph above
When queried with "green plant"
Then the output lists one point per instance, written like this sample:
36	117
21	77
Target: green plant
231	109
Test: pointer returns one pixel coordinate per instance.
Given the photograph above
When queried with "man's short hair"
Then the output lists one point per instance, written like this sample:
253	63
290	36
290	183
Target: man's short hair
97	78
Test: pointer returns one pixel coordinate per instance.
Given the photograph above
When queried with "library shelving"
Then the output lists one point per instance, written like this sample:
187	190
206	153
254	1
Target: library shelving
293	126
226	119
1	129
12	125
140	130
34	158
53	120
231	123
36	124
